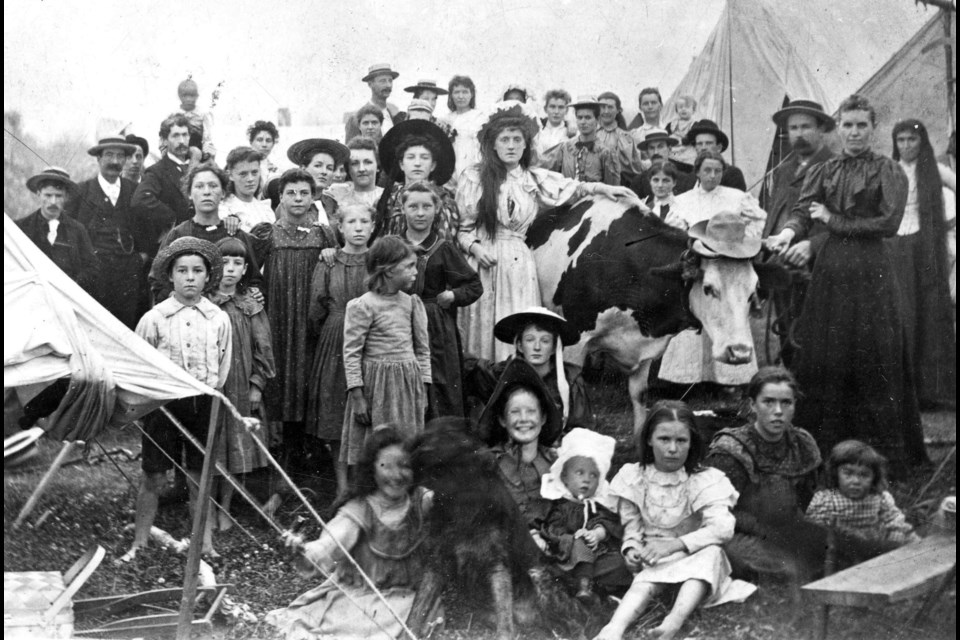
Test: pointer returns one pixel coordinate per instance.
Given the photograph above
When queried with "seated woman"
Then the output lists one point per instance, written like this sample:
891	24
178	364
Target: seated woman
539	336
382	525
675	515
416	151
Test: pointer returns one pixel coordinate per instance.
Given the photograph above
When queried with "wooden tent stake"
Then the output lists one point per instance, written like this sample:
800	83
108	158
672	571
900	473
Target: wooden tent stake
34	498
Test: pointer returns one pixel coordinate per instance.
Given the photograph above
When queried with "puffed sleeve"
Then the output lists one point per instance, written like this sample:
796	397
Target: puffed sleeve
318	310
323	554
421	339
356	325
628	488
225	345
893	192
712	496
554	189
461	278
264	366
893	523
468	197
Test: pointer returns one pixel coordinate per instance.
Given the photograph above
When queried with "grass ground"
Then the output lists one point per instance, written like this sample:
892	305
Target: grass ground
87	505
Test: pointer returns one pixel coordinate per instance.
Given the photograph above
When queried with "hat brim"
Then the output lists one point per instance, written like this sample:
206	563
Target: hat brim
780	117
712	248
585	105
510	109
670	140
722	138
127	147
519	373
298	151
33	182
446	157
189	245
507	329
426	87
383	72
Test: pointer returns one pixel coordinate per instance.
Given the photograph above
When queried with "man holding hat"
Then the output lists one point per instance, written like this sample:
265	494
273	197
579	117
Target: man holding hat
806	124
705	135
583	158
380	79
102	206
59	237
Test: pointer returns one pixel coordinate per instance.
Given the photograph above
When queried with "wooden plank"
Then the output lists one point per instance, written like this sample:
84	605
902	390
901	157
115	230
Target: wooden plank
903	573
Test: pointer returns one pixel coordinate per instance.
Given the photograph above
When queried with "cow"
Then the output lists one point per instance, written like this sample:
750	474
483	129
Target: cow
627	282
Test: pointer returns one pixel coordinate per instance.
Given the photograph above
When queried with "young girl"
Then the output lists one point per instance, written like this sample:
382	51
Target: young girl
333	287
856	500
445	282
663	179
386	352
242	202
582	530
250	368
679	127
675	515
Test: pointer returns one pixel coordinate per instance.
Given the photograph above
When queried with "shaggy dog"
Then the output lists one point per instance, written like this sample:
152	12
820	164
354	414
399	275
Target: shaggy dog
477	537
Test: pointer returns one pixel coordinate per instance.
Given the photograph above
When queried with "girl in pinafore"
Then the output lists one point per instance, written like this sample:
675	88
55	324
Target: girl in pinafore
333	287
386	350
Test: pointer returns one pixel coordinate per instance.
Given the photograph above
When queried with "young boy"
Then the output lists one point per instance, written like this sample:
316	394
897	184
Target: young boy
195	334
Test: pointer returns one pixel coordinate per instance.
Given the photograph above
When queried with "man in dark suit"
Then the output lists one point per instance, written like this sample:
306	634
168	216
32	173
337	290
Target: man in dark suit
705	135
657	147
380	79
102	206
806	125
60	238
158	198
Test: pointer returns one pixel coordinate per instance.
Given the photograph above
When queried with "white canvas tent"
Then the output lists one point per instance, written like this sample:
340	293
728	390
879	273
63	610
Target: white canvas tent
53	329
746	70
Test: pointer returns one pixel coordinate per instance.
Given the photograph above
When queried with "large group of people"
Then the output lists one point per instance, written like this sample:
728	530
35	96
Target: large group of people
383	281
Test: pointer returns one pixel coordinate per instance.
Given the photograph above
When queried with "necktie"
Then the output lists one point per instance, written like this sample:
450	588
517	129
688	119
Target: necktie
52	234
664	210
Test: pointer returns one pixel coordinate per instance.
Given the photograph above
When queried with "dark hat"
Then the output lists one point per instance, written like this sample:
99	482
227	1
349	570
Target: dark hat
189	245
140	142
707	126
112	142
379	69
585	101
300	153
657	135
54	174
808	107
446	158
511	109
508	328
427	85
724	235
519	373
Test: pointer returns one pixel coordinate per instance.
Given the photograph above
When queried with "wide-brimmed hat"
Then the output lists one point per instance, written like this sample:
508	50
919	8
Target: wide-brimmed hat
808	107
112	142
300	153
519	373
140	142
54	174
529	120
418	104
584	443
585	101
446	158
190	245
379	69
657	135
724	235
515	87
707	126
427	85
507	328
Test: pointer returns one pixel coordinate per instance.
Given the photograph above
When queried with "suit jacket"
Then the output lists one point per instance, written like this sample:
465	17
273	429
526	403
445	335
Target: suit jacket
353	129
784	190
71	251
686	180
113	229
159	201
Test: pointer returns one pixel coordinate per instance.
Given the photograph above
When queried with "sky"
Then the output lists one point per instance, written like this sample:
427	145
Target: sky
76	67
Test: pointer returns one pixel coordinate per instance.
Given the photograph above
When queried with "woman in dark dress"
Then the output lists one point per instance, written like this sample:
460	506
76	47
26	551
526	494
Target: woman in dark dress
853	360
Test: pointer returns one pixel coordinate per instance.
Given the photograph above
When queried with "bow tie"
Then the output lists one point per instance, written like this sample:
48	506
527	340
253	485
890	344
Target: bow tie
586	145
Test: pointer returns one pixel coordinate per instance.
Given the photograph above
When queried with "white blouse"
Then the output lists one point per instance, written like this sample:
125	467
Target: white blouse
696	205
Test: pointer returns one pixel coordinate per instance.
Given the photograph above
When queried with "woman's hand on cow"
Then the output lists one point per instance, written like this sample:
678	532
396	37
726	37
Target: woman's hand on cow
819	211
655	550
484	258
780	242
445	299
361	410
615	192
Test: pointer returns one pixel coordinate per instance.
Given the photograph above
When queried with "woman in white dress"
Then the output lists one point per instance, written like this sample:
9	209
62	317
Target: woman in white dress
498	201
464	121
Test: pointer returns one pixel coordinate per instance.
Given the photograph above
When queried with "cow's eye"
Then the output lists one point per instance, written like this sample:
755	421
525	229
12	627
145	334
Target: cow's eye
711	291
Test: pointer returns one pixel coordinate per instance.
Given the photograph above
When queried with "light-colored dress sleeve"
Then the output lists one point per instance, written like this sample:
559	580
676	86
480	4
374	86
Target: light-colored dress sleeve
554	189
627	487
468	196
893	522
323	554
421	339
754	217
225	344
712	496
356	326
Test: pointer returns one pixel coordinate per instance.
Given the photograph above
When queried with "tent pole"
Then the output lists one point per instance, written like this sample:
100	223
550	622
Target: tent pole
192	569
34	498
733	146
950	84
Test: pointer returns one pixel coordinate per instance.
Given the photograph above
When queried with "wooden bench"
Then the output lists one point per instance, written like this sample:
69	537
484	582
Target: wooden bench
913	570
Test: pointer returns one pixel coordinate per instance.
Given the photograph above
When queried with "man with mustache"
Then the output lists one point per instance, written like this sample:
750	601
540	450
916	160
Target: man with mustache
102	206
380	79
158	198
806	125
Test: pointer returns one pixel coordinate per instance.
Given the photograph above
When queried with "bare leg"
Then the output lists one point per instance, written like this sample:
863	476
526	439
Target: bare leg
224	523
636	599
148	498
340	468
207	548
690	595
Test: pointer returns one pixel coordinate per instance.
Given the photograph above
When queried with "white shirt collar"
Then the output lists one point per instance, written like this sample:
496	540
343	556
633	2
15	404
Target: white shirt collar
111	190
177	160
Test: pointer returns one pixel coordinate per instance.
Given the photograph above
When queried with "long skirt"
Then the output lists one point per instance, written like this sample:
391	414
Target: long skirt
852	363
708	565
327	401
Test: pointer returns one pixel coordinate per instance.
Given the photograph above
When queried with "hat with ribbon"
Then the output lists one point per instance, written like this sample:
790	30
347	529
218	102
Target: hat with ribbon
724	235
51	174
806	107
379	69
301	153
657	135
427	85
112	142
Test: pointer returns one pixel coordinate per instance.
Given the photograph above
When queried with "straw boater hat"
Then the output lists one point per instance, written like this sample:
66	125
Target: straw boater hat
300	153
379	69
418	104
585	101
187	245
707	126
519	373
808	107
427	85
581	443
51	174
657	135
446	158
724	235
112	142
529	119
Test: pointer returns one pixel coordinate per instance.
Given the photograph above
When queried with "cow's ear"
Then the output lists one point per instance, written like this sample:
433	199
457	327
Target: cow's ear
772	276
671	271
